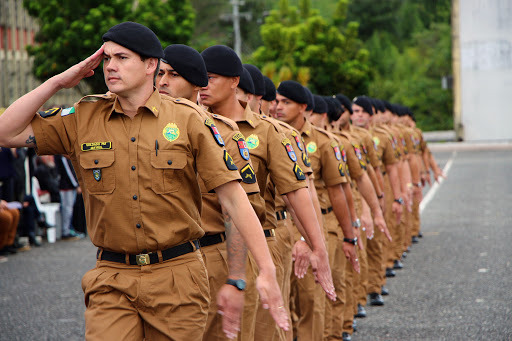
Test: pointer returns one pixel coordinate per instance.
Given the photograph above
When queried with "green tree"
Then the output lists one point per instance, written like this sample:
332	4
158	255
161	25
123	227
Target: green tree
299	43
71	31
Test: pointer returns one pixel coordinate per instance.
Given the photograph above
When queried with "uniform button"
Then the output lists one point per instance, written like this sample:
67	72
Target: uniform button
96	162
138	226
169	162
133	167
134	197
144	251
133	139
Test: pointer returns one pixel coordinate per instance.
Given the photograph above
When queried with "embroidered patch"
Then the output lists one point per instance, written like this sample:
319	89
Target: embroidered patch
298	172
311	147
364	149
376	142
289	149
248	175
253	141
297	140
67	111
306	160
340	168
85	147
358	151
242	146
97	174
336	149
343	154
229	161
171	132
49	113
215	132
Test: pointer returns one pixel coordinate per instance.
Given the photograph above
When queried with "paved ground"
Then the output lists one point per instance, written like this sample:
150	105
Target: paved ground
456	284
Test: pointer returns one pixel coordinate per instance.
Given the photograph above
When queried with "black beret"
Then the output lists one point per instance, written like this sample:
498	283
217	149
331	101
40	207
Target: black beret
311	100
294	91
345	101
257	79
187	62
320	105
387	106
270	90
379	105
135	37
246	83
333	108
365	103
223	61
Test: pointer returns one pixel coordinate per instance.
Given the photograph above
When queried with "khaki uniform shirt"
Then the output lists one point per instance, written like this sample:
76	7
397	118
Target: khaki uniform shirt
369	148
212	216
139	177
385	147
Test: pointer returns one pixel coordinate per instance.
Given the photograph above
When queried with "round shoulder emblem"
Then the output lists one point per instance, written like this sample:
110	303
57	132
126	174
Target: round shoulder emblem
311	147
252	141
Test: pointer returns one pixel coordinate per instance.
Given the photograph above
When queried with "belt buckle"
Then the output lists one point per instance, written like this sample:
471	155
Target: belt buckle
142	259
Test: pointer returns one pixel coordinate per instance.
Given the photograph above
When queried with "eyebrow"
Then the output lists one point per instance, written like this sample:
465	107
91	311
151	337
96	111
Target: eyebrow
118	54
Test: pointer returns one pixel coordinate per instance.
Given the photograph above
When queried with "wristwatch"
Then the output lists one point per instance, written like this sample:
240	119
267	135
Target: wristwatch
237	283
400	201
356	223
350	241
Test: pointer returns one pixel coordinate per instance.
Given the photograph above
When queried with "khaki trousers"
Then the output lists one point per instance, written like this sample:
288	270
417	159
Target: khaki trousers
375	259
9	220
163	301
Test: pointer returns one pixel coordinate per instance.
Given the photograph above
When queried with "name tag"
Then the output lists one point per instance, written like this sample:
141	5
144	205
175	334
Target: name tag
96	146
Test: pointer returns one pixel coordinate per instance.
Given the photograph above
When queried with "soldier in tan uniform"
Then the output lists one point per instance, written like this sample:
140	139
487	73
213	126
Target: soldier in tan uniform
272	155
136	154
326	162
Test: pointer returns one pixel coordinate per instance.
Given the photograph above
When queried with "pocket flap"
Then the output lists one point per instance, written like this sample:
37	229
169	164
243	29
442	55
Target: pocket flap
96	159
169	159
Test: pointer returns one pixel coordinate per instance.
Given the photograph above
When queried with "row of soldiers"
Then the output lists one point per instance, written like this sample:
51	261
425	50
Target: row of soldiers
248	193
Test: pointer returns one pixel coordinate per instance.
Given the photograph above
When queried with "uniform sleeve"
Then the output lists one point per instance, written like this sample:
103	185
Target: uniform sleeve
372	152
354	166
214	164
282	163
300	149
55	131
333	170
388	154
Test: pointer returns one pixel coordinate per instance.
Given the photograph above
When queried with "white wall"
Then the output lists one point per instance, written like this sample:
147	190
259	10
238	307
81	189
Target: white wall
486	69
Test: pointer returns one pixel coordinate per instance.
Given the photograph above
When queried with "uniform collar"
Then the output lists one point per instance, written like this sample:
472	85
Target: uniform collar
152	104
249	116
307	128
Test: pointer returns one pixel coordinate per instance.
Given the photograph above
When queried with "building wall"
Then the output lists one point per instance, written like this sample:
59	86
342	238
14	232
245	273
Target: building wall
485	38
17	30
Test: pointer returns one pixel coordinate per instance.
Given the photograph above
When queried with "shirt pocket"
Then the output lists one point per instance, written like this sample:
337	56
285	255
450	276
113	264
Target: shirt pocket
167	170
98	171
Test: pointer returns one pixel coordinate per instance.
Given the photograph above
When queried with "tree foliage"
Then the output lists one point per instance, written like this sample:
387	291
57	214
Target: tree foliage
70	31
298	43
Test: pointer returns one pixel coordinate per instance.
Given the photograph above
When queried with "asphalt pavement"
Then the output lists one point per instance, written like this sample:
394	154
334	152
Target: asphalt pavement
456	283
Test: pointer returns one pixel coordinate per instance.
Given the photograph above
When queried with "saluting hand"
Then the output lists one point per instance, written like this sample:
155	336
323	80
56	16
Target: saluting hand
72	76
322	272
230	302
270	296
301	256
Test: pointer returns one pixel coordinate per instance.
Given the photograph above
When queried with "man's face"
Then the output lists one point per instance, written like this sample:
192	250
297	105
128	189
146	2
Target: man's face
360	118
170	83
124	70
318	120
255	103
219	88
287	110
269	107
344	118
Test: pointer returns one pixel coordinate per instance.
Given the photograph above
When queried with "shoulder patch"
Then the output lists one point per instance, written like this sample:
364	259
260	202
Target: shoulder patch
306	160
229	161
67	111
343	154
242	146
289	149
50	112
340	168
215	132
297	140
248	175
311	147
336	150
253	141
298	172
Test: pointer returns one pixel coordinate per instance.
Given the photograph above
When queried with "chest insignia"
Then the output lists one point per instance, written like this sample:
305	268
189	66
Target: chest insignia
242	146
215	132
298	172
229	161
311	147
297	140
171	132
336	150
97	174
85	147
289	149
343	155
358	152
376	142
253	141
248	175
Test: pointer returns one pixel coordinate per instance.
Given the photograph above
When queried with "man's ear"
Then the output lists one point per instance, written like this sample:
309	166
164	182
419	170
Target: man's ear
234	82
303	107
152	66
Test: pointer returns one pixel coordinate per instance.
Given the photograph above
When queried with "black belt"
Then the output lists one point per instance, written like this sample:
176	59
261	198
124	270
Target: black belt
212	239
149	258
280	215
328	210
269	233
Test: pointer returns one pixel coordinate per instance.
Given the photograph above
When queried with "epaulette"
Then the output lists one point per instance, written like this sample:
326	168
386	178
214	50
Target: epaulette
274	122
227	121
96	98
